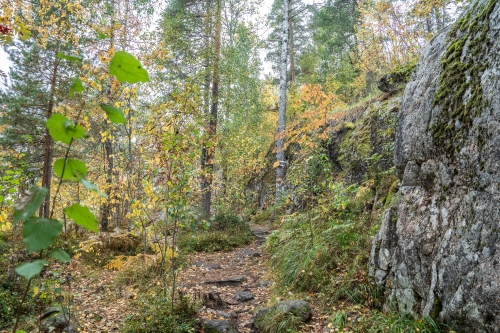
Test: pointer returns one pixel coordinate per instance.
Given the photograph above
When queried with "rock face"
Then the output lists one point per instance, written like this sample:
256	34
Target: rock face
437	251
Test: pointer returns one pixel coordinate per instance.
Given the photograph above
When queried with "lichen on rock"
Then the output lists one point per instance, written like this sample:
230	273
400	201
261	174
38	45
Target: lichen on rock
440	257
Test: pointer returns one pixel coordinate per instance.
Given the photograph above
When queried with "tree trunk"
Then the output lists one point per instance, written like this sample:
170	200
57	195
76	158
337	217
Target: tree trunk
108	144
208	153
280	142
292	53
49	142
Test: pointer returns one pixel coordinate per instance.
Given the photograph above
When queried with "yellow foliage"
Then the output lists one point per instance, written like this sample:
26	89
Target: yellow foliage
140	261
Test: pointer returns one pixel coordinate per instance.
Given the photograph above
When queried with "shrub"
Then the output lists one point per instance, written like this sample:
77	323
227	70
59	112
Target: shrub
227	232
214	241
156	315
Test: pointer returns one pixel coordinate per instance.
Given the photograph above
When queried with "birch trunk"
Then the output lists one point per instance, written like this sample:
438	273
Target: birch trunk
280	142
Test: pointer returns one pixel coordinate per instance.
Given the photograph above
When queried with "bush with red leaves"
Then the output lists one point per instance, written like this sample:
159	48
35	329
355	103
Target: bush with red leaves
5	30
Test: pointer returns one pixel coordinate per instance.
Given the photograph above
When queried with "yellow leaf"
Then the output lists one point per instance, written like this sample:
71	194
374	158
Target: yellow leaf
276	164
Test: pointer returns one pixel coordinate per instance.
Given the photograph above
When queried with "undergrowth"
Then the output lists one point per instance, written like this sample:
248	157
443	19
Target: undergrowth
226	233
280	322
376	322
157	315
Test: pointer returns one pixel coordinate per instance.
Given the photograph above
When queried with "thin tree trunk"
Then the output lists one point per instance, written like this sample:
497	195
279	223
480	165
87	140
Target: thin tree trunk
208	153
292	53
49	142
108	145
280	142
206	99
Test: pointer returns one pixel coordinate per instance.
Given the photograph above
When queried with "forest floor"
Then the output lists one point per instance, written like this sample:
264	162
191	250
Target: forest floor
230	285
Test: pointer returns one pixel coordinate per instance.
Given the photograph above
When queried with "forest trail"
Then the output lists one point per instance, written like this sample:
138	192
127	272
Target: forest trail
230	285
234	284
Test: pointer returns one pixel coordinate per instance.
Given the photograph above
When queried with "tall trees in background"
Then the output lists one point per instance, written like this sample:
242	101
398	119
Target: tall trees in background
40	80
204	64
298	36
335	46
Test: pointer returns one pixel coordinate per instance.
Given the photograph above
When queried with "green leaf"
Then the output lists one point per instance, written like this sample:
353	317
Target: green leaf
127	68
92	187
114	114
82	216
60	255
74	170
39	233
69	57
76	87
62	129
28	204
30	269
101	35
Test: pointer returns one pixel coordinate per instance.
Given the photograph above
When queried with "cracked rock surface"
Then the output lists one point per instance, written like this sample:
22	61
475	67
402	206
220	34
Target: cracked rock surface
437	251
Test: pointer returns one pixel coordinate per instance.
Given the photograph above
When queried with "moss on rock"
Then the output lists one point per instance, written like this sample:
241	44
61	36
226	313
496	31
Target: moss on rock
460	93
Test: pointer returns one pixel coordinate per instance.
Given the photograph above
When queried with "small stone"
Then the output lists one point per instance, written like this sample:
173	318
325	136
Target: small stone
243	296
228	315
228	281
265	284
219	326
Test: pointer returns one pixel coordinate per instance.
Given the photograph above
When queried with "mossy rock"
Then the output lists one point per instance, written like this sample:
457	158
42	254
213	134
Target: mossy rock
286	316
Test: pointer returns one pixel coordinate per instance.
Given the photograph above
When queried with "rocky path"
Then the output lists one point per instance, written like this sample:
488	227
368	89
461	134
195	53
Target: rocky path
230	284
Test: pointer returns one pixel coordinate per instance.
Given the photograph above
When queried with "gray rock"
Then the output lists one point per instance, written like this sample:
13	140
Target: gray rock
242	296
265	284
228	282
392	83
207	265
250	253
260	232
219	326
437	251
299	308
228	315
54	319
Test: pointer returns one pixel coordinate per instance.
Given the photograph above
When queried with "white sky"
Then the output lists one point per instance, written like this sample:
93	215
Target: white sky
266	7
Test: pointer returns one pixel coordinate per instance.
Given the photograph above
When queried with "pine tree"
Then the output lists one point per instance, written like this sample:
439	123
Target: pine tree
27	102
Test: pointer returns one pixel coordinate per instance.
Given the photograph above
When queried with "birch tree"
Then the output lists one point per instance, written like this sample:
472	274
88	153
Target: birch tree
280	143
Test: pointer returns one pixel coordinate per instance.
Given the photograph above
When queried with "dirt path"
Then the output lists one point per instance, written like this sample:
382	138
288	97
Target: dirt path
230	284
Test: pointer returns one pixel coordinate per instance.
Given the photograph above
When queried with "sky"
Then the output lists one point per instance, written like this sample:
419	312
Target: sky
266	7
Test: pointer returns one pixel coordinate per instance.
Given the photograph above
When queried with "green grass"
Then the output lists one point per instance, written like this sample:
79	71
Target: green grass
376	322
226	233
155	315
279	322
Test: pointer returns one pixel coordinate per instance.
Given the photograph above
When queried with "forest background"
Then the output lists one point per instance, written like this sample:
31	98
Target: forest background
153	117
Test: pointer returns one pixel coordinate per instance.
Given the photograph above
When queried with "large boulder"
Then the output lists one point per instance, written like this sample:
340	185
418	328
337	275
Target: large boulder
437	252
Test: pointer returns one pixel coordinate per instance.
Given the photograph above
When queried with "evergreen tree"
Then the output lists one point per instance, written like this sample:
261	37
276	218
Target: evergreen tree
25	102
298	36
335	45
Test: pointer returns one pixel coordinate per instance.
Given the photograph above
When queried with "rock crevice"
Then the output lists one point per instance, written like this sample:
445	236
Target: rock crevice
436	251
